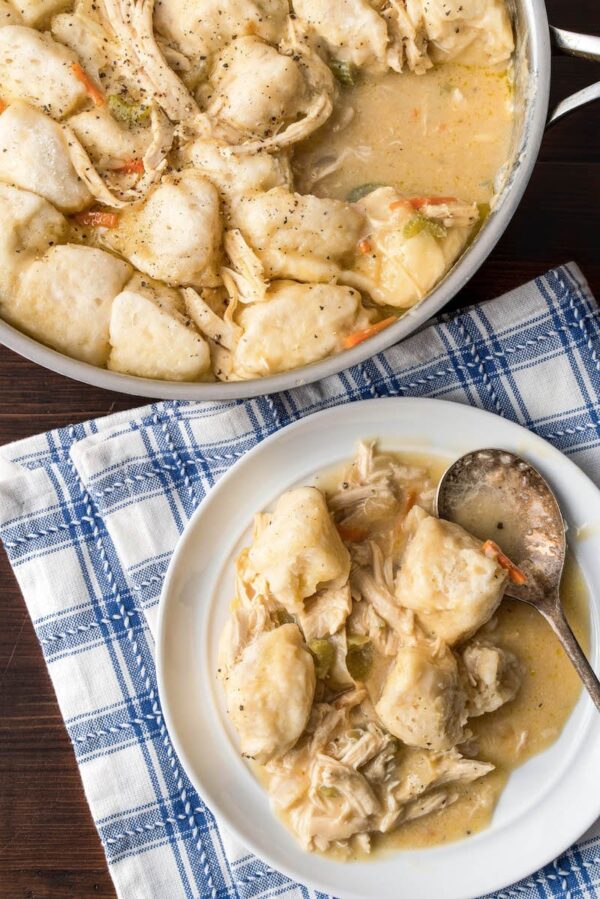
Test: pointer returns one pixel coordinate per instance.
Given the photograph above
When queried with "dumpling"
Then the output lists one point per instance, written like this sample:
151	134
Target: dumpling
151	337
236	175
34	156
270	693
300	549
8	14
36	68
299	236
422	702
492	677
353	31
294	325
87	32
201	29
108	61
478	32
263	98
407	249
255	89
175	234
64	299
109	143
447	580
37	13
30	226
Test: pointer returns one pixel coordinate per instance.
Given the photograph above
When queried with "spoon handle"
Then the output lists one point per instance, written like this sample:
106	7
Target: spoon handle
555	617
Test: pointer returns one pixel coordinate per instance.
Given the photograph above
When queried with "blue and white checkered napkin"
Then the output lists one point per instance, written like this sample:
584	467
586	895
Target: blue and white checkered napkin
90	514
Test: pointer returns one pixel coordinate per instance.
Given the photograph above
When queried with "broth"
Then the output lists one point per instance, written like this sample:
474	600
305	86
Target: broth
445	132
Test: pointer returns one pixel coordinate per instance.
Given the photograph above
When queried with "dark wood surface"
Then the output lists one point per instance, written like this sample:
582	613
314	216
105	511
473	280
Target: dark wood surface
48	844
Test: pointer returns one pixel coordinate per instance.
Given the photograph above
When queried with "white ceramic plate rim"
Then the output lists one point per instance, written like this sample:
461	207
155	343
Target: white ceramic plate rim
488	861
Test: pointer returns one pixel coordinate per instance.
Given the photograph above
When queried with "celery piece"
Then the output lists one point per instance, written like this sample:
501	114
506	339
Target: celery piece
282	616
345	72
435	228
324	655
357	193
419	223
128	113
359	660
329	792
355	641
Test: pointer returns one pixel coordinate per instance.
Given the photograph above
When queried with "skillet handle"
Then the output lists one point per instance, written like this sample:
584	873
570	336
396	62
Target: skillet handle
586	46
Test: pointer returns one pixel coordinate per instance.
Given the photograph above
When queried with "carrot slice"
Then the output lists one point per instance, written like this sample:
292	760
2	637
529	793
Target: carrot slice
492	550
131	167
2	106
350	534
364	246
358	336
97	219
92	89
409	501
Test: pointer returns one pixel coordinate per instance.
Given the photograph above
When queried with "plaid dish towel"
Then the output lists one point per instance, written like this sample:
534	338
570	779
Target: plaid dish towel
89	517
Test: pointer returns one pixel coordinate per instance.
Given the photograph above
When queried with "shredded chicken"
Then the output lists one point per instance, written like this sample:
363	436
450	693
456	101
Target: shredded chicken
365	620
493	676
326	612
133	25
375	586
246	269
155	157
243	626
223	331
83	166
408	37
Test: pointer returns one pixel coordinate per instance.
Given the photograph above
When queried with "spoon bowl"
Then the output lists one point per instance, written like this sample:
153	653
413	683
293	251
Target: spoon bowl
496	495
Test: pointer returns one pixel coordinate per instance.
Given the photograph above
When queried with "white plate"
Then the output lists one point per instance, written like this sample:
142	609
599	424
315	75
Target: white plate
548	803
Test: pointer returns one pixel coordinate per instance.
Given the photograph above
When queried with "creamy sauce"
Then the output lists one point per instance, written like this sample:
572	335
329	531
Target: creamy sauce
445	132
516	731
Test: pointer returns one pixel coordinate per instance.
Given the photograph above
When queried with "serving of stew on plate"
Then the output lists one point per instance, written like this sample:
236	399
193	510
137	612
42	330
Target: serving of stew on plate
379	682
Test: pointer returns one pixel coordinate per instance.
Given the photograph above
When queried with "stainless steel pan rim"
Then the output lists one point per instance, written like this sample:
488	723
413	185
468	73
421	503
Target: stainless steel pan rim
532	14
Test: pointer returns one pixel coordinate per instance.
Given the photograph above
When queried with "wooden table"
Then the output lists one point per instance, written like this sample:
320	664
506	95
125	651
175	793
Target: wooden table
48	844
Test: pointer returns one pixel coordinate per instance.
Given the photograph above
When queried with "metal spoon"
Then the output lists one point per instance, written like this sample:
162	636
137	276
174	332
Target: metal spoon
496	495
